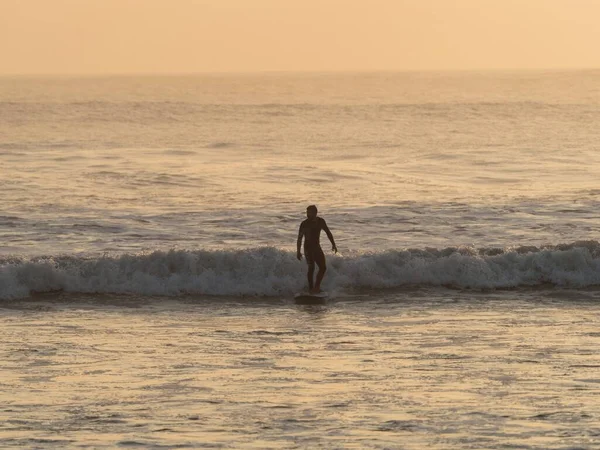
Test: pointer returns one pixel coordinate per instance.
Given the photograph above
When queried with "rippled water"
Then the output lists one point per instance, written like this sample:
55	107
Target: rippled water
425	368
126	164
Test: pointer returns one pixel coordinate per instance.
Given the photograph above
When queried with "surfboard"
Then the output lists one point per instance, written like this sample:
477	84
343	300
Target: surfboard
304	298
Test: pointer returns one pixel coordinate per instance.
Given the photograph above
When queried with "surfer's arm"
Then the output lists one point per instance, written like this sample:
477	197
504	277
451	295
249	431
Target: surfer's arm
330	236
299	243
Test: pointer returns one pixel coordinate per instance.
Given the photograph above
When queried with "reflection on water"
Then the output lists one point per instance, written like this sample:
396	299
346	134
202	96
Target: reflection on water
416	369
314	312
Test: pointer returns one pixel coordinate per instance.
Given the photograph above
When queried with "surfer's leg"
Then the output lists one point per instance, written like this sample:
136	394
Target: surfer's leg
311	271
310	260
320	260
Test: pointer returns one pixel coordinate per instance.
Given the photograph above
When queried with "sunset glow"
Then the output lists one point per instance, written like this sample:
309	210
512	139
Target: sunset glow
188	36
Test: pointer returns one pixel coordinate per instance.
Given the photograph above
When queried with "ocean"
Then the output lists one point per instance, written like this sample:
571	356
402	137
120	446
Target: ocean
148	265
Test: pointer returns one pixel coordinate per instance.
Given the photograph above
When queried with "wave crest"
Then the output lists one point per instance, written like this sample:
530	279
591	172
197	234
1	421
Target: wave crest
268	271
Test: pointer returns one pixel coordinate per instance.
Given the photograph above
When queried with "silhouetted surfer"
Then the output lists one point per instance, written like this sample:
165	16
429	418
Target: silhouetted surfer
310	229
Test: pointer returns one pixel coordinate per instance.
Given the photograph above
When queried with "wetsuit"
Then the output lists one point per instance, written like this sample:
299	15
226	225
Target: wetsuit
311	230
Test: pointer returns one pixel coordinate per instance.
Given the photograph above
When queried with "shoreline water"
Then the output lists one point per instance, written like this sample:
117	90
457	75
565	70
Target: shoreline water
431	367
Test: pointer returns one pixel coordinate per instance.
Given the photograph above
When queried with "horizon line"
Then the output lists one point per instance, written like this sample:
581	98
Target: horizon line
288	72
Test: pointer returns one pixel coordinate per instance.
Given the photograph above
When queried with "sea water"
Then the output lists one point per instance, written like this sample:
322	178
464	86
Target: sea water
148	229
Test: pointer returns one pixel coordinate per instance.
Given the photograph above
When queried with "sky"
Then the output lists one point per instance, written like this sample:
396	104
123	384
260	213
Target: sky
192	36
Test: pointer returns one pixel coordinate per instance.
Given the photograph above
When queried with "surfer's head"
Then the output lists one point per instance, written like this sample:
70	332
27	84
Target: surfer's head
311	212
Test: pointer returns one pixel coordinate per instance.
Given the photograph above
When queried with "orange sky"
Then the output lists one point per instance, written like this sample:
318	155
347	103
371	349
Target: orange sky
185	36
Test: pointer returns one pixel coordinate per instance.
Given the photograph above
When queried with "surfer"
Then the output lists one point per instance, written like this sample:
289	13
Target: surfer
310	229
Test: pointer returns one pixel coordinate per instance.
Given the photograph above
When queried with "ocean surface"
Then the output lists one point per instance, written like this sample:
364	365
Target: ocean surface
148	229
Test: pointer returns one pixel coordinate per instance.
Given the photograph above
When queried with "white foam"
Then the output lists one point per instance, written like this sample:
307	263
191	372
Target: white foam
268	271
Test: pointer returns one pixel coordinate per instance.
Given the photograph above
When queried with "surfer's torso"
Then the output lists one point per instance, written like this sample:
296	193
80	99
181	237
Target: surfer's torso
311	228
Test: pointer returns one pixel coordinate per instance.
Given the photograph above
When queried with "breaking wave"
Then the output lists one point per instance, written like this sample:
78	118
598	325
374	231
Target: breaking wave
268	271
